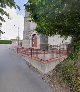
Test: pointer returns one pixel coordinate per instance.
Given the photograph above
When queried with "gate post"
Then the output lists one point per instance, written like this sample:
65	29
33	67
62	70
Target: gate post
31	52
17	49
37	53
44	54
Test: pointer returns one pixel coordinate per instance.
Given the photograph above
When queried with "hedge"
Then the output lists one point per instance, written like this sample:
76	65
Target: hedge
5	42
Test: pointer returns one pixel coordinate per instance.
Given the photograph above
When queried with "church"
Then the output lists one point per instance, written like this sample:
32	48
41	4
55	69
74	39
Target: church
31	39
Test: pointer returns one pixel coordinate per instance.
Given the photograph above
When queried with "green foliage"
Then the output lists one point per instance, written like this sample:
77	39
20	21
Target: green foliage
56	16
71	77
60	17
69	73
1	32
5	42
3	4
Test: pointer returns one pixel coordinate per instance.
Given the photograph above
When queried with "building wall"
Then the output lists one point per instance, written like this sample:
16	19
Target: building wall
57	40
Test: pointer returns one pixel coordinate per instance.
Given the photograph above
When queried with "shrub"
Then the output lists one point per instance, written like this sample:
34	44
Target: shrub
5	42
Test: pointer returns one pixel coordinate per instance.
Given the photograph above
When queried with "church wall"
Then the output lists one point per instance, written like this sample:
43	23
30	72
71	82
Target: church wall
25	44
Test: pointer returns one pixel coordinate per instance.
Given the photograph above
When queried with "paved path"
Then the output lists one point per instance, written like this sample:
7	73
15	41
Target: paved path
16	76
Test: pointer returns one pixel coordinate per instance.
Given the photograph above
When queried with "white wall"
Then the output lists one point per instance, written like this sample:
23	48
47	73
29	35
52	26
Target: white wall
57	40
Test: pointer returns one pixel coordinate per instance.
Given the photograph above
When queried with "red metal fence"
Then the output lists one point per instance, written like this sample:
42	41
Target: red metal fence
43	55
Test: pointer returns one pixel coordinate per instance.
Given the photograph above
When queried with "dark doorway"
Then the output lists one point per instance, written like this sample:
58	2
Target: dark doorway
34	40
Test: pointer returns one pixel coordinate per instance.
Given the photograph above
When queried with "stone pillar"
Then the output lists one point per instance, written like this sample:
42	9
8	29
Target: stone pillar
43	42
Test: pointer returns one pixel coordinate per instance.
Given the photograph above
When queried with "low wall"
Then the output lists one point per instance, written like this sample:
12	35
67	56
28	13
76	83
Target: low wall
44	67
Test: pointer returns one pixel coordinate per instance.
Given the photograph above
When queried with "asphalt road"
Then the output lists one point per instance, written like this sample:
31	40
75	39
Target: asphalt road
16	76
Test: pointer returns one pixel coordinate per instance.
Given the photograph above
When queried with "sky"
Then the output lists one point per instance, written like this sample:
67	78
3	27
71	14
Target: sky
10	27
21	4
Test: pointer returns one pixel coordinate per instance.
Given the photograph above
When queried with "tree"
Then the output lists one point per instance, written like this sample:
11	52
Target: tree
60	17
57	17
4	4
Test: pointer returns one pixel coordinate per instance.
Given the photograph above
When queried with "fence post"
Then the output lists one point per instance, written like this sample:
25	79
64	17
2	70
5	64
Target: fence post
37	53
44	54
17	50
25	52
52	52
56	53
31	52
28	53
59	52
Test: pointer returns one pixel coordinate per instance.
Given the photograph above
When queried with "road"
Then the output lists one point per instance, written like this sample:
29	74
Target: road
16	76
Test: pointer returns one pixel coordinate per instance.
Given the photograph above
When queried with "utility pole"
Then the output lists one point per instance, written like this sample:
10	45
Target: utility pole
18	36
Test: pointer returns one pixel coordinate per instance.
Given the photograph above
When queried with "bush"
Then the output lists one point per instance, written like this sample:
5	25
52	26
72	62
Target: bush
5	42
